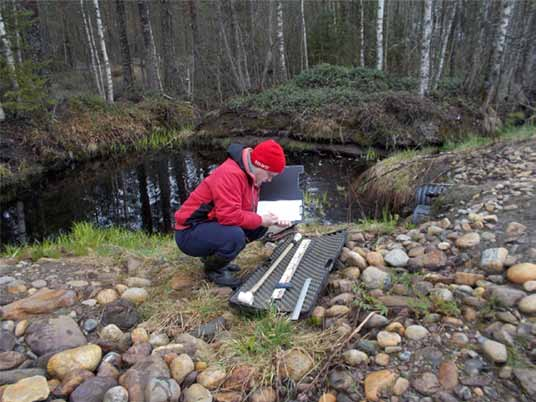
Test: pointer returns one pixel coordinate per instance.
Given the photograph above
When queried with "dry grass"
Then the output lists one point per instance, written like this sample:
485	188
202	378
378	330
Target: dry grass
263	340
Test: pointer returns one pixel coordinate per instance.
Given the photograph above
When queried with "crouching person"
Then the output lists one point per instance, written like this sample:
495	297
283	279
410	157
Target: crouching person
219	217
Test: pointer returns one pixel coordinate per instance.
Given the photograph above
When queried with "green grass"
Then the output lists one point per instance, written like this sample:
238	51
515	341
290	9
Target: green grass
86	238
367	302
508	133
385	224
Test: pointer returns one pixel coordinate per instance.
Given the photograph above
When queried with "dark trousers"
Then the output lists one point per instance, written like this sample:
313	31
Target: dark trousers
211	238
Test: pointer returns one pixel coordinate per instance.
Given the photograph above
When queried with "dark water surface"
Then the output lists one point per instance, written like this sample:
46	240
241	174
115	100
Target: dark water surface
143	192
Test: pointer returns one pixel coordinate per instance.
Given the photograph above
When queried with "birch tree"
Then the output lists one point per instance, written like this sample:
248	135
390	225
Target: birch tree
425	48
2	113
93	55
444	38
193	76
150	55
126	61
304	33
10	60
106	61
361	35
18	41
379	35
167	45
281	42
498	53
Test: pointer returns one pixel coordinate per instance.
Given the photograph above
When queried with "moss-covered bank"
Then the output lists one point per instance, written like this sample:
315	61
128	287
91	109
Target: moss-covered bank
350	106
85	128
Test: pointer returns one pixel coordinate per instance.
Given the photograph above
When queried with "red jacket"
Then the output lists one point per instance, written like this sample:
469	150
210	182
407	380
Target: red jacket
228	195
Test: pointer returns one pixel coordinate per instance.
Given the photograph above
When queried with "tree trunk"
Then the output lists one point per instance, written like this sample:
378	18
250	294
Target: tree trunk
476	64
150	55
2	113
270	52
10	60
425	48
379	35
167	36
194	74
126	61
281	42
228	50
304	33
106	61
18	41
498	53
94	57
361	35
67	50
444	39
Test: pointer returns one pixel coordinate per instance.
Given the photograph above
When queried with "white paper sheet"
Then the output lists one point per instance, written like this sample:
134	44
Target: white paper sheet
290	210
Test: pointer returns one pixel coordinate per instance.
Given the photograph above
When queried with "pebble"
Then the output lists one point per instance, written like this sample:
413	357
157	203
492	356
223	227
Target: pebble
354	357
181	366
106	296
527	304
521	273
157	339
468	240
197	393
396	258
401	386
27	390
385	338
375	278
493	259
90	325
111	333
116	394
495	351
378	381
135	295
416	332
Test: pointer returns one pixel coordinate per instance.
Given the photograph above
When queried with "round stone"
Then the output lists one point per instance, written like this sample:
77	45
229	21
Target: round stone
521	273
527	304
139	335
107	296
416	332
27	390
116	394
468	240
397	258
181	366
354	357
38	284
135	295
111	332
375	278
385	338
495	351
90	325
84	357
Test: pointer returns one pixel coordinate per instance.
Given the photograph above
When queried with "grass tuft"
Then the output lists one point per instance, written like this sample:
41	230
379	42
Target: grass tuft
86	238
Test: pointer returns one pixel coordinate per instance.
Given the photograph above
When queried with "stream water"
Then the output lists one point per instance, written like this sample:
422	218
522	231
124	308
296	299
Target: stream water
143	192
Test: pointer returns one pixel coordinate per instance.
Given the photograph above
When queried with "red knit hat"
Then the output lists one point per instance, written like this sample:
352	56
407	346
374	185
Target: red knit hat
269	155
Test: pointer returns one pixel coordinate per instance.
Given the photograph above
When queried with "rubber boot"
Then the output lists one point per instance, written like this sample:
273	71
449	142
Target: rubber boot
228	267
215	269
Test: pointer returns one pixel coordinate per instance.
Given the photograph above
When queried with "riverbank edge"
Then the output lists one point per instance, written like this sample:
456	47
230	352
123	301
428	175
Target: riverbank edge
391	183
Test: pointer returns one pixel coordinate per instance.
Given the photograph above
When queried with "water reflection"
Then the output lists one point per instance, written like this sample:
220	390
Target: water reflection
143	192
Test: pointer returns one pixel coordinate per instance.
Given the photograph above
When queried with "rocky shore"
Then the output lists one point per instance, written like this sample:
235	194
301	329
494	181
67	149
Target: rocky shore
454	304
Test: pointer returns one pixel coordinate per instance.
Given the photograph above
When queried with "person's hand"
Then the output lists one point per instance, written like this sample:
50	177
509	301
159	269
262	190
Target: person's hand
283	223
269	219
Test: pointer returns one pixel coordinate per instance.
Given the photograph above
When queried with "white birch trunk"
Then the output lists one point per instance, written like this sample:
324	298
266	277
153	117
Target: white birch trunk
425	48
107	68
361	35
304	30
92	52
379	35
281	41
444	41
10	60
2	113
498	51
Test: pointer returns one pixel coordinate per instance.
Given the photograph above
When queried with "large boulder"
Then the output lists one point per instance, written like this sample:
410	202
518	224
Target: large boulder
54	335
41	302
